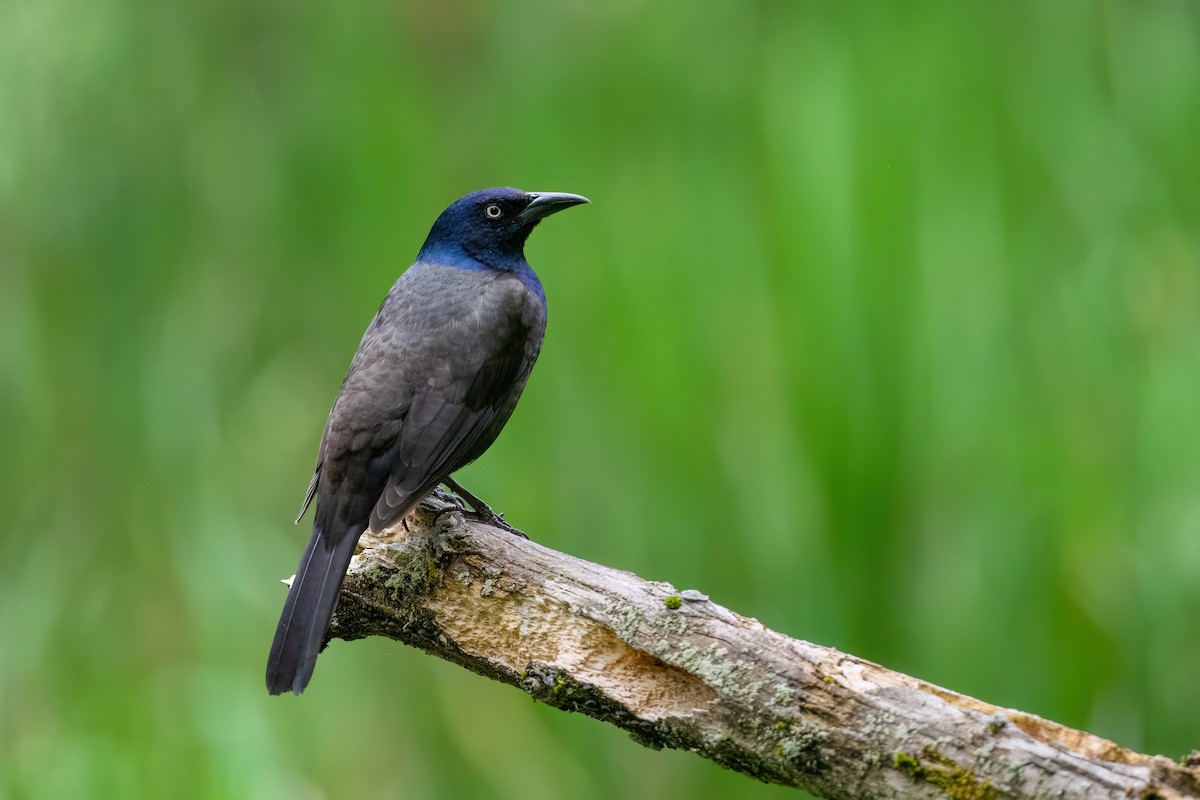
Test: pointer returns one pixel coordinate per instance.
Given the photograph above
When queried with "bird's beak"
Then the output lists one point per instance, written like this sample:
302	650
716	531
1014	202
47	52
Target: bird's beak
543	204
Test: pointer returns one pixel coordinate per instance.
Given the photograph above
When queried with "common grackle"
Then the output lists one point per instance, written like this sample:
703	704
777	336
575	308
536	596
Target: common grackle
435	378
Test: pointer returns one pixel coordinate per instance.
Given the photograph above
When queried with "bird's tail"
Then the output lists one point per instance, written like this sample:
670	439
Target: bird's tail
308	609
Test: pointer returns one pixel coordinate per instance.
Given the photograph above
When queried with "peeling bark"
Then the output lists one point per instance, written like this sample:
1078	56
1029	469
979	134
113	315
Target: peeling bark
677	670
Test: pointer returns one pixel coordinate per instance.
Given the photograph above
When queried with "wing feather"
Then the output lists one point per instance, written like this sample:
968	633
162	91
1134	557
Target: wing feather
448	427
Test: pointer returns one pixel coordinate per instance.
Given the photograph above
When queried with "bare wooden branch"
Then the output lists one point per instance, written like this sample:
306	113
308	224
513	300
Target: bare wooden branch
677	670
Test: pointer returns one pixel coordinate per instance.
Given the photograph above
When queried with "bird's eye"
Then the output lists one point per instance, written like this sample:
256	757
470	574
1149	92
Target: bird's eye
493	211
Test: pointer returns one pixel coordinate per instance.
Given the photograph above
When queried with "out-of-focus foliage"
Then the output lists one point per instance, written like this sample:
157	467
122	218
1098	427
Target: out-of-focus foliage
883	327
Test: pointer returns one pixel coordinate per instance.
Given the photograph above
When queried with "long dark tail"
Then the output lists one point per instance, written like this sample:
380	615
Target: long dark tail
308	609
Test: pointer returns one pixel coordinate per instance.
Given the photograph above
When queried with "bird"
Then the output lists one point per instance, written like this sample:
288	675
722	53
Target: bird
436	376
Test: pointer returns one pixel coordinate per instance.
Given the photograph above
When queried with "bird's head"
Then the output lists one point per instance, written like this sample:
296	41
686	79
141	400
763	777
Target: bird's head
491	226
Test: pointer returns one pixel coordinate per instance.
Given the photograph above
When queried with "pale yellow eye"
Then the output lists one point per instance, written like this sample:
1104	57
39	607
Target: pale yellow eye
493	211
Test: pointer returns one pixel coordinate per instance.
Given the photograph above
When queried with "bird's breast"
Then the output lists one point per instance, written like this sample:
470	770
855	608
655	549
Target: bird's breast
440	321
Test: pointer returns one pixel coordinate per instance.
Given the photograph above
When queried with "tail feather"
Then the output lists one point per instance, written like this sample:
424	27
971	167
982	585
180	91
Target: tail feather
307	611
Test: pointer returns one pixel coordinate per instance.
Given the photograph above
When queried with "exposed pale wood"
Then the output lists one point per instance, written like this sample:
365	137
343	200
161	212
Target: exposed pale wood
585	637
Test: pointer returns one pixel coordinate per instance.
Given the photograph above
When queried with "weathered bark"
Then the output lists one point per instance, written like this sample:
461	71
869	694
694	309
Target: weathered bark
676	670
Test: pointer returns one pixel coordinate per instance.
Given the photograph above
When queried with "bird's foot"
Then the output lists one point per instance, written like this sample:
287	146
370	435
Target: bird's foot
481	511
489	517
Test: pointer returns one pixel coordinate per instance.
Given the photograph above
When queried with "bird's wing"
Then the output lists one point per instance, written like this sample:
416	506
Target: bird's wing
314	484
451	421
371	403
311	493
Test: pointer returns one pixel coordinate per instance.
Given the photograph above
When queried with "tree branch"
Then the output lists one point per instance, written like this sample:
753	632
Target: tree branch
676	670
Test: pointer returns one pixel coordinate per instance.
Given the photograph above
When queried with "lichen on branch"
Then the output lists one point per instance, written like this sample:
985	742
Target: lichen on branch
676	670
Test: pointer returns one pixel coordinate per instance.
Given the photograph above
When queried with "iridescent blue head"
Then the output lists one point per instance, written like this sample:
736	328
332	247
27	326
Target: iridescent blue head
488	229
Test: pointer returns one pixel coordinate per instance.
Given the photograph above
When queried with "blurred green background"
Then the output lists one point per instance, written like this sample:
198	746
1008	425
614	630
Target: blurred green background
883	327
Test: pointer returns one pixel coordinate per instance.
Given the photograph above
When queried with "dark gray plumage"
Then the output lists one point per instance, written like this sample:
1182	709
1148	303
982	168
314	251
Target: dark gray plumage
436	376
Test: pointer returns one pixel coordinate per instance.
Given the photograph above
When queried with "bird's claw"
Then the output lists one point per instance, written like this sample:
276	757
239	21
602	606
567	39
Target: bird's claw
481	511
489	517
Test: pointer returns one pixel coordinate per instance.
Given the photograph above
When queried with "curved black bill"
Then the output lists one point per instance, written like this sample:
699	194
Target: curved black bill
544	204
